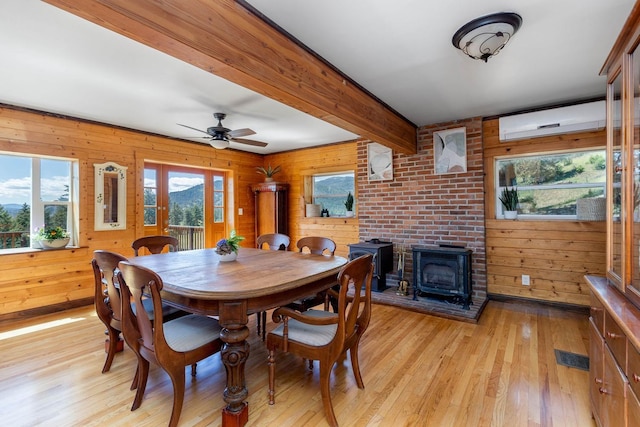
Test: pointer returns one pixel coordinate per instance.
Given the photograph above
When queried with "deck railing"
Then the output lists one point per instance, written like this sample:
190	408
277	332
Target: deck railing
188	237
14	239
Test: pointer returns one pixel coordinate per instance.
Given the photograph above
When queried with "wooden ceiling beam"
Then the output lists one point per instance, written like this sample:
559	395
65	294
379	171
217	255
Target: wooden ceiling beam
225	39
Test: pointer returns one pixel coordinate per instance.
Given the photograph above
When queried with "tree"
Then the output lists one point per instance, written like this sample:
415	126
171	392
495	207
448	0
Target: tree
22	220
6	221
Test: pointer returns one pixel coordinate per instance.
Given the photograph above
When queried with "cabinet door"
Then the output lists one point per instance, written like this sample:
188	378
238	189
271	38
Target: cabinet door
615	162
633	408
596	370
614	408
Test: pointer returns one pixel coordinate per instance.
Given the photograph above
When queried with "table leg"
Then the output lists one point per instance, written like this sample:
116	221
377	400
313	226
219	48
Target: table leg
234	354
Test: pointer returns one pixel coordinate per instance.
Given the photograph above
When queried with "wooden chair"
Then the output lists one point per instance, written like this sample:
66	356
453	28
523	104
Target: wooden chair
274	242
108	304
315	245
173	345
107	299
155	244
325	336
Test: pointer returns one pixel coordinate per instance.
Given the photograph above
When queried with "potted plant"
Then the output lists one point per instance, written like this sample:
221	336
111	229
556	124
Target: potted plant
268	172
227	249
50	237
509	200
349	204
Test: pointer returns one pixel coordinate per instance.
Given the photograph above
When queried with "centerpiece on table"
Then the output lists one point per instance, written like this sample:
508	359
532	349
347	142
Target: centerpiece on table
49	237
227	249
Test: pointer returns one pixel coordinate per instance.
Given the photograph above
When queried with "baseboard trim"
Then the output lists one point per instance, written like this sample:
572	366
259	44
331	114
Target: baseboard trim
581	309
48	309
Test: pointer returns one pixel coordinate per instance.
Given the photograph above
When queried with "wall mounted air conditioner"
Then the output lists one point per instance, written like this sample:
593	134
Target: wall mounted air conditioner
574	118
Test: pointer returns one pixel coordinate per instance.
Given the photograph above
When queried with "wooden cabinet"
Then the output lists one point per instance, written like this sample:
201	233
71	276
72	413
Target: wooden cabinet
271	207
622	69
614	359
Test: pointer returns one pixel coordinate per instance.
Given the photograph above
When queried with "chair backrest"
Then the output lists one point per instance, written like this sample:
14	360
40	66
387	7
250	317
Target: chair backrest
135	284
275	241
107	296
354	299
317	245
155	244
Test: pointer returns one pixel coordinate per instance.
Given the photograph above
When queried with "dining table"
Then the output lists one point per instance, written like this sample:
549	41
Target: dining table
197	281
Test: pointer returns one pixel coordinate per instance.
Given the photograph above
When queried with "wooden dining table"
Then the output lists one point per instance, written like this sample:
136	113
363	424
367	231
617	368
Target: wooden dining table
198	282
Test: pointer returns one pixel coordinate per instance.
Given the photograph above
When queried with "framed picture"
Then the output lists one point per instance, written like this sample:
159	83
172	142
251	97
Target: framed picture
379	162
450	151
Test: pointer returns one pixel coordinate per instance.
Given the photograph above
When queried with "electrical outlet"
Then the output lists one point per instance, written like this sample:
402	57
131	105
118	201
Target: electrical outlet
240	211
525	280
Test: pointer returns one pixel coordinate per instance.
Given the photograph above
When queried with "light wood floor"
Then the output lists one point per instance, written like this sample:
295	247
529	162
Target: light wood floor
418	370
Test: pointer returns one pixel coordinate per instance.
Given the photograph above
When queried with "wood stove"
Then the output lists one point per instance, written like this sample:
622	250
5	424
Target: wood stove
382	260
442	271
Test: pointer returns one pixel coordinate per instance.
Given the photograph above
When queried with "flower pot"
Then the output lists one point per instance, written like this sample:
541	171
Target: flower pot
349	214
54	244
228	257
510	214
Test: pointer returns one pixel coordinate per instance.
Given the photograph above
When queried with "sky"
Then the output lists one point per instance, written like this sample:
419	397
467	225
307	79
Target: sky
15	179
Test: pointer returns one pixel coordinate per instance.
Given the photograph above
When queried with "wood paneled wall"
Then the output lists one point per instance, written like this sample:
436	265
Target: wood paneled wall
30	279
555	254
300	163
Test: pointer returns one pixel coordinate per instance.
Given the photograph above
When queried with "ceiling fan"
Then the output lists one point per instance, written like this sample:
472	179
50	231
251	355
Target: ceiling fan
220	136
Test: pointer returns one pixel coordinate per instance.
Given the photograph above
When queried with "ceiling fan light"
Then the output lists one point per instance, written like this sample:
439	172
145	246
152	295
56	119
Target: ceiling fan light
485	37
219	144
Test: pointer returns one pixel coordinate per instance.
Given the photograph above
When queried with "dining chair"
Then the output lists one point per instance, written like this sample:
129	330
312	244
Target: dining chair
274	242
172	345
155	244
108	305
325	336
319	246
107	300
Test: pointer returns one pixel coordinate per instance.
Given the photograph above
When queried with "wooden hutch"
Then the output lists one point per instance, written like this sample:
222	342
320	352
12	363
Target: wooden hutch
271	207
614	325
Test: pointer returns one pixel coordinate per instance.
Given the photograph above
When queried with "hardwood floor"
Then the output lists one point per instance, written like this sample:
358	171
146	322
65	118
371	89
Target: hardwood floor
418	370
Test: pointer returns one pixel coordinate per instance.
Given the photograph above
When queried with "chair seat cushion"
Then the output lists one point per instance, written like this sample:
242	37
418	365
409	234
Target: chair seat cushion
315	335
167	310
190	332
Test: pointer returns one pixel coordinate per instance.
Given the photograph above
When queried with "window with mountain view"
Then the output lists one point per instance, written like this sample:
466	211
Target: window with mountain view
549	185
35	192
331	190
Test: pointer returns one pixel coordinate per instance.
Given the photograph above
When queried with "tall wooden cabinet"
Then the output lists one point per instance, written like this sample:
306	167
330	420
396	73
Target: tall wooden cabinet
615	303
271	207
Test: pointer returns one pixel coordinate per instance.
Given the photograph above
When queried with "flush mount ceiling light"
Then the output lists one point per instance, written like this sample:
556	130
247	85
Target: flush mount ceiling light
484	37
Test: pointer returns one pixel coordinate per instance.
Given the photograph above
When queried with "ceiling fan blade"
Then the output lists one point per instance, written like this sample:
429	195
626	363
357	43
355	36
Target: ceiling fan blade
250	142
189	127
241	132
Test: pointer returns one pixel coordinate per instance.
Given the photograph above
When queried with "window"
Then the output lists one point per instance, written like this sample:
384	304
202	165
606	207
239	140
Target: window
549	185
331	190
36	192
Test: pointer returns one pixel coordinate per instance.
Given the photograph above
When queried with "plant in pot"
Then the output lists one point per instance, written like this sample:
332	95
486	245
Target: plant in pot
349	204
509	200
268	172
50	237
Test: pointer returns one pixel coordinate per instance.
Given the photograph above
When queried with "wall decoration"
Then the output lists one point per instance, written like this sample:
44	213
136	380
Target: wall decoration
379	162
111	196
450	151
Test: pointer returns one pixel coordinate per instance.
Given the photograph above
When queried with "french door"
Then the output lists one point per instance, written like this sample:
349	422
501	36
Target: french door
187	203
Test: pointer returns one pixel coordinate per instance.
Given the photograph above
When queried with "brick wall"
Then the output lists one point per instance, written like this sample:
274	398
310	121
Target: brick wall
419	207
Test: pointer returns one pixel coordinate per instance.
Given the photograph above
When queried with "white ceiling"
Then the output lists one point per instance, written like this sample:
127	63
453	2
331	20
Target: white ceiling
399	51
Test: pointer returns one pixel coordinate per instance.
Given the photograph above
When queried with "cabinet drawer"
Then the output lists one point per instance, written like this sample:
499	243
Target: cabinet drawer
633	369
597	314
616	340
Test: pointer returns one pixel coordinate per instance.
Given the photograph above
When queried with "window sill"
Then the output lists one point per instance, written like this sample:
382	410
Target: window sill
32	250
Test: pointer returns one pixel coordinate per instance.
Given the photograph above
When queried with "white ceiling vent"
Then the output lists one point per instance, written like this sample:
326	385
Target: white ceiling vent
574	118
